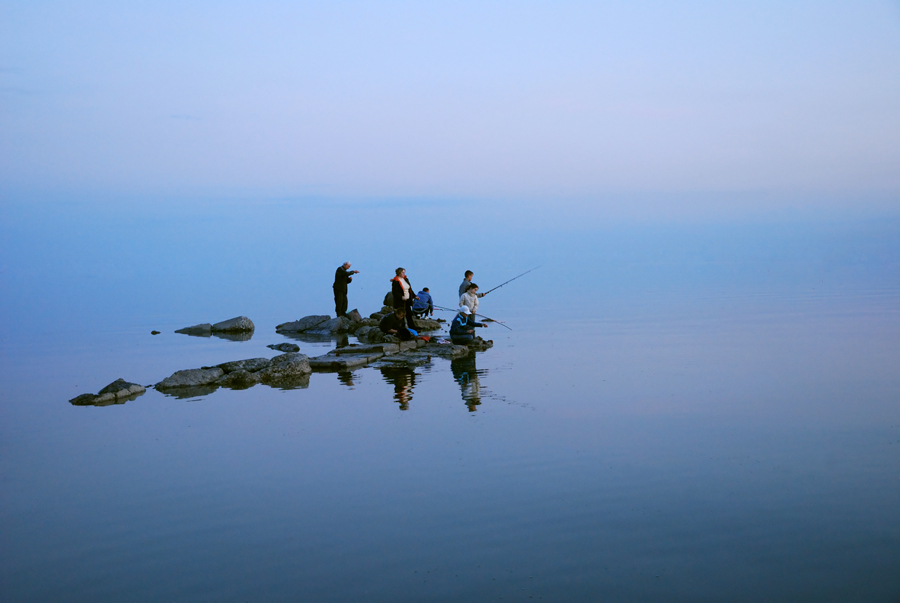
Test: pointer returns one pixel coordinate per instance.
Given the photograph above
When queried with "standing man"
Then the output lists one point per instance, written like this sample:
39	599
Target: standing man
467	280
342	277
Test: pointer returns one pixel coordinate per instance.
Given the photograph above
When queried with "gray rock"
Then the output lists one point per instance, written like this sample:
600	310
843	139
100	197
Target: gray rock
285	367
426	324
239	379
354	315
238	323
369	349
331	362
304	324
191	377
252	365
331	326
284	347
204	330
117	392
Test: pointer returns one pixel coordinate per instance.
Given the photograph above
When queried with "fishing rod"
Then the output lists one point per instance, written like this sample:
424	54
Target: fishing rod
510	280
499	322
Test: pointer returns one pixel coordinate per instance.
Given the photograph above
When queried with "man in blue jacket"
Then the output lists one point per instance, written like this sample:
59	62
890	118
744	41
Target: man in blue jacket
462	329
422	305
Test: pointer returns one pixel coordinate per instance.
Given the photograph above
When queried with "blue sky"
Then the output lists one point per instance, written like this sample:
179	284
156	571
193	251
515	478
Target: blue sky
491	100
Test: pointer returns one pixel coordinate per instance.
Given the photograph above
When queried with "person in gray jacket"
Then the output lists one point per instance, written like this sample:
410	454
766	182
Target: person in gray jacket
464	286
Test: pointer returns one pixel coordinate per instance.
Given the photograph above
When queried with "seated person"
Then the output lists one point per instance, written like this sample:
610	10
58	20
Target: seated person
395	324
462	329
422	305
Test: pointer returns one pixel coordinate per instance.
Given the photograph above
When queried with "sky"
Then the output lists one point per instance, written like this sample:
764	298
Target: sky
536	101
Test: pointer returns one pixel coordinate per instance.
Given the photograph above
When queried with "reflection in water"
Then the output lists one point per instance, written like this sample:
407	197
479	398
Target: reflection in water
346	377
236	336
403	379
465	373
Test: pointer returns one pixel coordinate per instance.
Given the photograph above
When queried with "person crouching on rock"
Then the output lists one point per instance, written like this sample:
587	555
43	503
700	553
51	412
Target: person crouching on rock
462	330
394	324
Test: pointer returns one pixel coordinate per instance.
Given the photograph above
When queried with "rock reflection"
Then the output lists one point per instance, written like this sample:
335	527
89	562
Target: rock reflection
467	376
236	336
403	379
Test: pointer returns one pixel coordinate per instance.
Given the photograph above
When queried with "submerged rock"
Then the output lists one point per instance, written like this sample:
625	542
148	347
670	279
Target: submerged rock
284	347
117	392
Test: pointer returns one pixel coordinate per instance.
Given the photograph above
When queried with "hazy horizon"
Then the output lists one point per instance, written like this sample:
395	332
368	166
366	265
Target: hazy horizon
744	105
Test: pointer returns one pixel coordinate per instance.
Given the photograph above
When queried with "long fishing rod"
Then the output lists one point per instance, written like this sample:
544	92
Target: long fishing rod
511	280
499	322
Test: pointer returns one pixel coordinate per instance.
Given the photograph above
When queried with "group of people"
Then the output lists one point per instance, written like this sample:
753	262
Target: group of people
407	305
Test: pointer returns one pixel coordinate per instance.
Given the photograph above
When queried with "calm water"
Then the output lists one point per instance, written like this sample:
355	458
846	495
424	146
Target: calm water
682	412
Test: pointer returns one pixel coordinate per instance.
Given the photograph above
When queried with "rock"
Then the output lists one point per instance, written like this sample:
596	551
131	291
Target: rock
191	377
304	324
203	330
117	392
285	367
369	335
331	326
154	332
239	379
354	315
331	362
374	348
284	347
236	324
252	365
480	344
426	324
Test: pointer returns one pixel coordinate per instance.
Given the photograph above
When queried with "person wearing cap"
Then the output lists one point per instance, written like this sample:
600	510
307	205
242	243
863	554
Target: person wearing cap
462	329
342	277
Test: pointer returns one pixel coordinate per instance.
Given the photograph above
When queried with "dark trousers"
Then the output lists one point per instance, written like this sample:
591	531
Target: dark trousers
409	316
340	302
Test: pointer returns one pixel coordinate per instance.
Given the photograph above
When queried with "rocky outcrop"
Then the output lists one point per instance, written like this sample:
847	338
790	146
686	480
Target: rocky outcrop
286	371
117	392
284	347
354	315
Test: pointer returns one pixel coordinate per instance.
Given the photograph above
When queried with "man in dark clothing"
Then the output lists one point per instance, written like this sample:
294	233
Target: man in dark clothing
462	328
395	324
342	277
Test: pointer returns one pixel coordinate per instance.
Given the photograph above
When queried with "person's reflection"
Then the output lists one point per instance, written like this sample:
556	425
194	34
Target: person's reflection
403	379
346	377
466	375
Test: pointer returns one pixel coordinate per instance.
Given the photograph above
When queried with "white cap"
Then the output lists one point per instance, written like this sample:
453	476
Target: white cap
464	310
